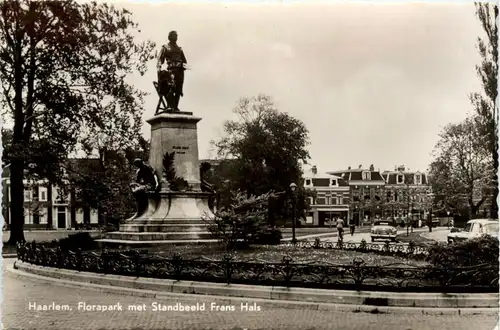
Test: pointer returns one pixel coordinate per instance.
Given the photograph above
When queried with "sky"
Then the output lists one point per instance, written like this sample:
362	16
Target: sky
373	83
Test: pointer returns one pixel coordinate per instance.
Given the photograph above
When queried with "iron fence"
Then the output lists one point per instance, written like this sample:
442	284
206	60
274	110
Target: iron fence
354	276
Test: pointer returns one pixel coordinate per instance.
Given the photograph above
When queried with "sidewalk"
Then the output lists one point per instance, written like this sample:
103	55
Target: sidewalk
331	234
322	299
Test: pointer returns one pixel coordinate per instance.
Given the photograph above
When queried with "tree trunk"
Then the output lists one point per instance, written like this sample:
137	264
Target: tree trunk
494	202
73	207
17	202
50	206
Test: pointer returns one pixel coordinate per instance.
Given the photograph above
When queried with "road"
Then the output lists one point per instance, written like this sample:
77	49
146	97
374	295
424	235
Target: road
438	235
18	293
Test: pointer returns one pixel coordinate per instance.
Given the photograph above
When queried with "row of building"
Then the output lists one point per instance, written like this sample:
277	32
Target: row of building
353	194
47	206
364	194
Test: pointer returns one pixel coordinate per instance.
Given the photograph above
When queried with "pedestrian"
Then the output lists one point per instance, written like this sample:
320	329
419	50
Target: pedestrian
340	228
352	226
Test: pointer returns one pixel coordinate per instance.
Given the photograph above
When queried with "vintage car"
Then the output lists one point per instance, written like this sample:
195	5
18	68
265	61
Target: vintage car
385	229
474	228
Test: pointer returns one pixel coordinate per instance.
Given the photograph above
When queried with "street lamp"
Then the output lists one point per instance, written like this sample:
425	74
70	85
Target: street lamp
431	198
293	188
448	222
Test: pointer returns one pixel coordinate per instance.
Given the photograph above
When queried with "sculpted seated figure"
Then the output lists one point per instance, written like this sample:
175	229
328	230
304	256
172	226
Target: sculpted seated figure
146	181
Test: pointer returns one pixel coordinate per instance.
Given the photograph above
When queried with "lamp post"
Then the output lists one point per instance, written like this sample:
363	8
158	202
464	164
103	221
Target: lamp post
293	188
431	198
448	220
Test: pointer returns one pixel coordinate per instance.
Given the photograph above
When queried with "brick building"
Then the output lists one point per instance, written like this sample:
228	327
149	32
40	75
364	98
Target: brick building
406	193
366	191
331	198
47	206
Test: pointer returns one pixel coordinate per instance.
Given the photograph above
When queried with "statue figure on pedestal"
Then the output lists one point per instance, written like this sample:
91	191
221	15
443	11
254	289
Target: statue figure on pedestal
146	181
171	80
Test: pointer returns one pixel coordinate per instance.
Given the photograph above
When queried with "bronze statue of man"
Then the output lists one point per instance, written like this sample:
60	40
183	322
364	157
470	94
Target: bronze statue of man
171	80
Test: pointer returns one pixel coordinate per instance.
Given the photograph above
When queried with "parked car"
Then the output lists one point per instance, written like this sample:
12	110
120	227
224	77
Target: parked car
474	228
385	229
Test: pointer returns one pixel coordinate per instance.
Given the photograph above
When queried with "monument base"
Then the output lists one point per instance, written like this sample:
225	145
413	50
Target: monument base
171	216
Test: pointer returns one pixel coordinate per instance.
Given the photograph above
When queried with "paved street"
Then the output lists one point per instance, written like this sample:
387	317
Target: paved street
19	293
438	235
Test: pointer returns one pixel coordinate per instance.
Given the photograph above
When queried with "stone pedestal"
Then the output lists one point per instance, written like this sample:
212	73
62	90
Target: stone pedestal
176	132
171	215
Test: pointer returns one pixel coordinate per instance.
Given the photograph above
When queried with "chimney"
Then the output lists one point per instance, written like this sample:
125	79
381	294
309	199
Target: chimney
372	168
349	168
360	166
315	170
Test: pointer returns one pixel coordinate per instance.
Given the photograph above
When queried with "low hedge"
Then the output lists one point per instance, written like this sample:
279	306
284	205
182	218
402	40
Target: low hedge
74	242
469	253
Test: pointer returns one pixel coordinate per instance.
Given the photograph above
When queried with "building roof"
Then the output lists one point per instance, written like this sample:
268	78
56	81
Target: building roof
391	177
357	174
323	178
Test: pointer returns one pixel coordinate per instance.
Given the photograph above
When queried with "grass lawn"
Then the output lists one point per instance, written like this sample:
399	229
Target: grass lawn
275	253
416	237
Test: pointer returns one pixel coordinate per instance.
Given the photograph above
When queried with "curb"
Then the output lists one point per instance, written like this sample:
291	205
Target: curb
9	255
315	299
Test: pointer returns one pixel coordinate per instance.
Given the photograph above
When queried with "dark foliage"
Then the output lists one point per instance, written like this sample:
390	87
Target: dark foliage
74	242
245	222
64	68
264	149
175	182
473	252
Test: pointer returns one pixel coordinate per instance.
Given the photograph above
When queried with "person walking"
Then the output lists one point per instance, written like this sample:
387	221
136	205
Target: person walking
352	226
340	228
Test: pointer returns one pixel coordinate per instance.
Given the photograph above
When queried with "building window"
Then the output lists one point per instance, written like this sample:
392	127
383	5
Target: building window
27	194
418	179
43	194
333	201
345	201
61	197
321	201
396	197
308	182
400	178
389	196
311	201
333	182
367	175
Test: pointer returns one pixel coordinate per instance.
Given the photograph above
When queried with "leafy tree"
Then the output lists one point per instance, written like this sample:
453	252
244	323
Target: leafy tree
485	104
265	148
63	69
244	222
103	183
462	169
